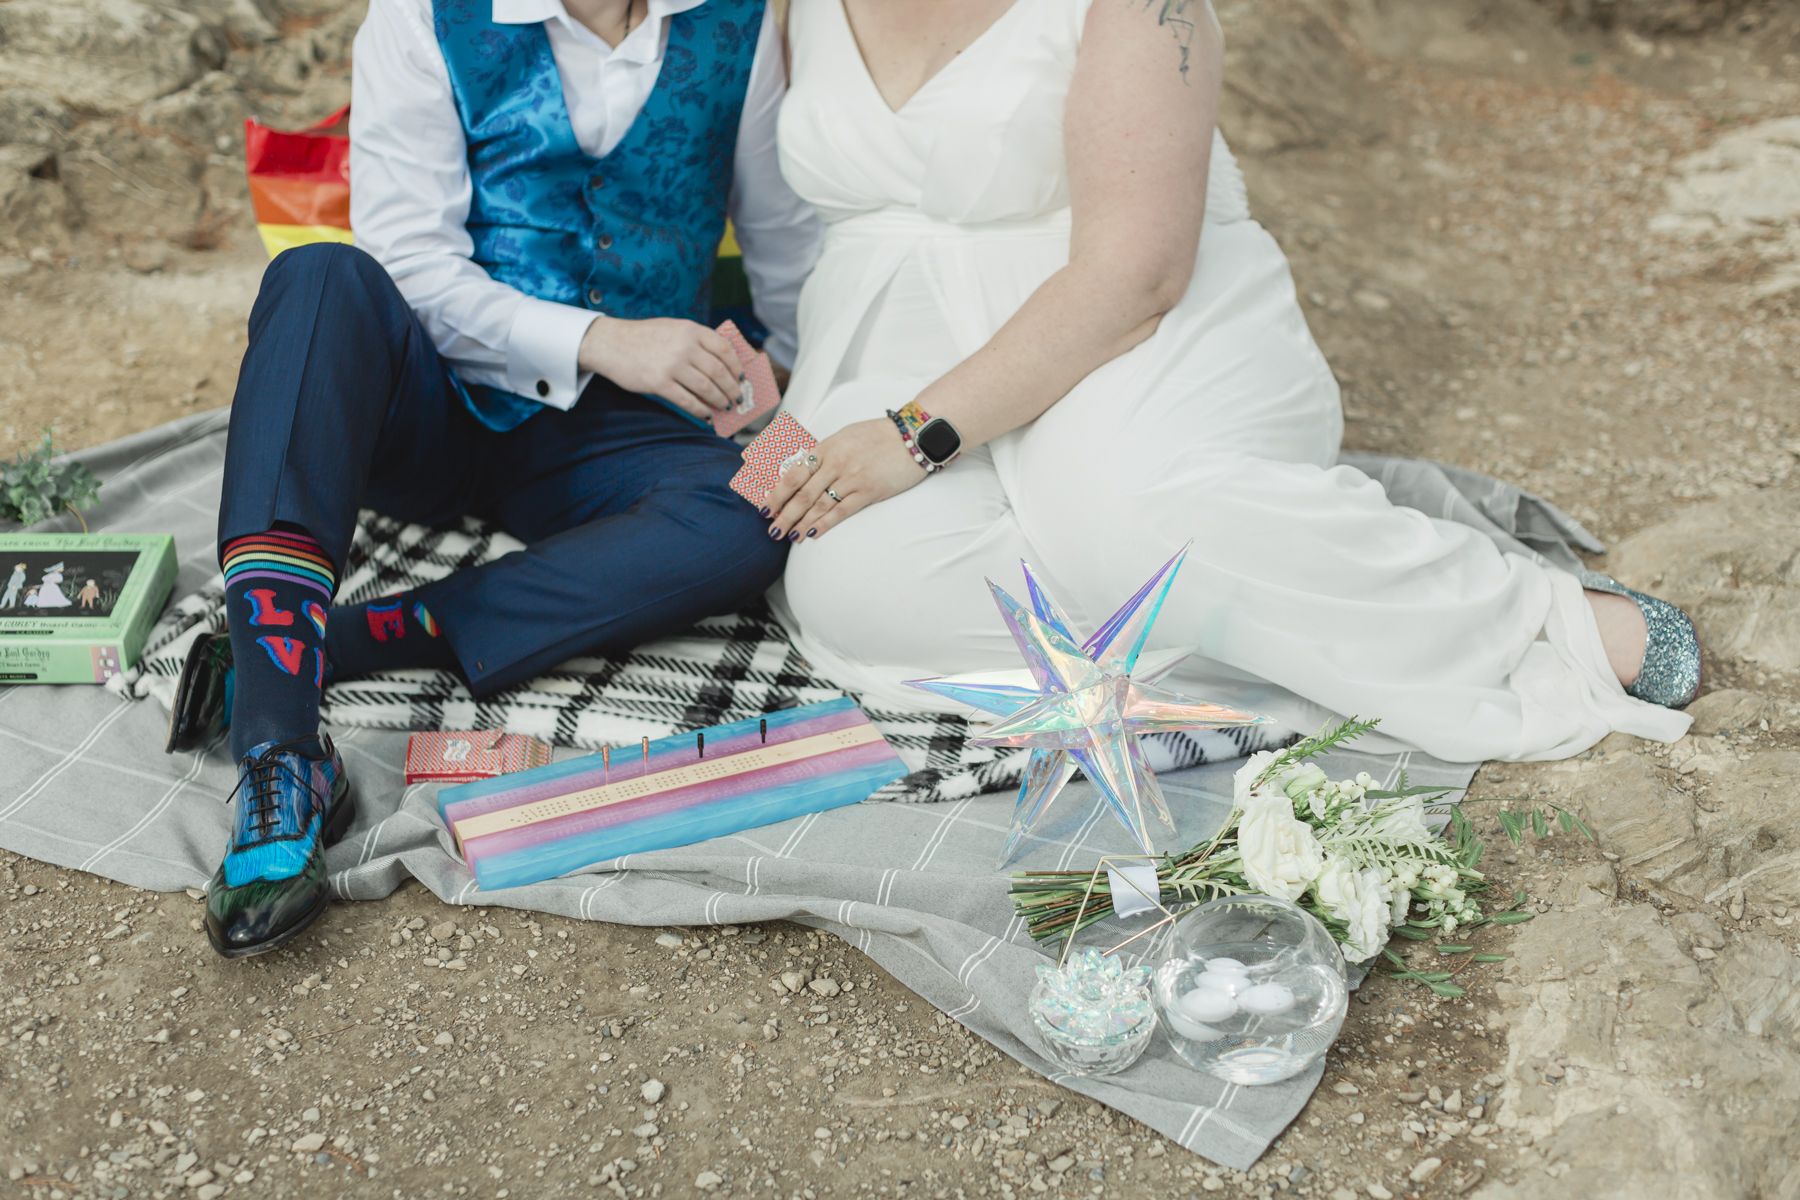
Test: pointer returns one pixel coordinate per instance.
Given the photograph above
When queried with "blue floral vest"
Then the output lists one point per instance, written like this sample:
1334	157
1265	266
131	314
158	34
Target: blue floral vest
633	234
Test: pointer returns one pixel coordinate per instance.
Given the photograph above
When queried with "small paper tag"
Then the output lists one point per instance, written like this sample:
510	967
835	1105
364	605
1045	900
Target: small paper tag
1134	888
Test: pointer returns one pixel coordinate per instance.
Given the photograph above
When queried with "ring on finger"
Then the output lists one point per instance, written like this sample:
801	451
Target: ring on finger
834	495
812	460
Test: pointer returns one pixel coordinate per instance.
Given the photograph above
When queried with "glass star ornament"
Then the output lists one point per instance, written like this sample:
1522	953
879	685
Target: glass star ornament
1083	705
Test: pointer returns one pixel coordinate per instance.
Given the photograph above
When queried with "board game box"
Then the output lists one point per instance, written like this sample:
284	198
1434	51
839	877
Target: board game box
78	607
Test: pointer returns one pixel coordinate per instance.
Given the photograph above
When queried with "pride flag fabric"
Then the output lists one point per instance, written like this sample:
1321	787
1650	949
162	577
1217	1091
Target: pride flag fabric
300	182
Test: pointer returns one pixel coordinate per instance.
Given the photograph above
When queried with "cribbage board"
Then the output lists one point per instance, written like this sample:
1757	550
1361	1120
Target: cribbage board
536	825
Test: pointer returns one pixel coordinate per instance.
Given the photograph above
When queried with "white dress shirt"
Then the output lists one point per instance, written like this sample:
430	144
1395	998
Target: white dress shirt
409	199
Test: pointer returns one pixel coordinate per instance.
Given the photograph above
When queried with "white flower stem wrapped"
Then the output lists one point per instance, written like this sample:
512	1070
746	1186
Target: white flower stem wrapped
1362	860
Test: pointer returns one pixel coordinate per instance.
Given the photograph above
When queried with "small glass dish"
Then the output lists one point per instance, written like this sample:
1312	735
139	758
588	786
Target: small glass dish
1093	1016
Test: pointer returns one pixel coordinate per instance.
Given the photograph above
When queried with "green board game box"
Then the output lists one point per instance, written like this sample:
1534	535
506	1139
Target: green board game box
78	607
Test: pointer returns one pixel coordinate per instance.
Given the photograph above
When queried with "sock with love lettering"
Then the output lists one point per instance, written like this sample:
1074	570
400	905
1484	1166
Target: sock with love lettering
278	588
390	634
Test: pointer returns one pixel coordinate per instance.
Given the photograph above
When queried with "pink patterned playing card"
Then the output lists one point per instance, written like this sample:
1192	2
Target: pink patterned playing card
763	457
760	395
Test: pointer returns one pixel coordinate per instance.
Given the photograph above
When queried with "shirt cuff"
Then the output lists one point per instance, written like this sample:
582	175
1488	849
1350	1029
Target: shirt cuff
781	349
542	349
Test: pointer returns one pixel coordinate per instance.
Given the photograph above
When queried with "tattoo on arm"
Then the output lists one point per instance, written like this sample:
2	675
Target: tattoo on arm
1173	13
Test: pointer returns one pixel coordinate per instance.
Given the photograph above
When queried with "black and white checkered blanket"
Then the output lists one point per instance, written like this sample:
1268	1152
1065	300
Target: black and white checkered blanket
723	669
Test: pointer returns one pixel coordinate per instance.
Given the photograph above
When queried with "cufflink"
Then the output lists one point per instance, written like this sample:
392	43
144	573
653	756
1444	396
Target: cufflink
543	387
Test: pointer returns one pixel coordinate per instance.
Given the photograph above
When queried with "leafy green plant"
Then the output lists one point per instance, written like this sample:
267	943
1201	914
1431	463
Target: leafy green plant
1513	821
33	488
1467	841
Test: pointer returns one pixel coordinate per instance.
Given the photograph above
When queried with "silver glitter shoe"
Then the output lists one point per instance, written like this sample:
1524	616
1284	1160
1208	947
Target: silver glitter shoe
1670	675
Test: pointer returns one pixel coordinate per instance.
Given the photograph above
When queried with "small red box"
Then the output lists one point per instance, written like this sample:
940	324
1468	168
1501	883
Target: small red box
463	756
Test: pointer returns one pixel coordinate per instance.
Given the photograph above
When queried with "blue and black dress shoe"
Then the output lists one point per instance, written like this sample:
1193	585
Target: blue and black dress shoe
293	801
202	705
1670	675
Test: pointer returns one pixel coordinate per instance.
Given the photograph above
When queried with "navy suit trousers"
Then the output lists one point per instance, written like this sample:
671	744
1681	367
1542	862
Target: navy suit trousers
631	529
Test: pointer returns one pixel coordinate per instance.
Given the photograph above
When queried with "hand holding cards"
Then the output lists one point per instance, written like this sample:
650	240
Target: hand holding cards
784	439
758	395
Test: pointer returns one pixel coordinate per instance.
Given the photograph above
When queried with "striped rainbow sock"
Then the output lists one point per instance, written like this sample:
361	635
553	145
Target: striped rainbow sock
277	588
291	558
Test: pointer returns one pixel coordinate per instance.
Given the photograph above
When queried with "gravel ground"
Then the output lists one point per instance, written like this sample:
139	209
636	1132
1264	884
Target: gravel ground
1470	195
564	1055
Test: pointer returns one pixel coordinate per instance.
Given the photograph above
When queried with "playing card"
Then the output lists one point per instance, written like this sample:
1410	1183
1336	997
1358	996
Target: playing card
467	755
783	439
759	394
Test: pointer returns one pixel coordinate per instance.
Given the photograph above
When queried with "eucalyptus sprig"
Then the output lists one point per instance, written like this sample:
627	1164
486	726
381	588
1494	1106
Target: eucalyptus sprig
35	488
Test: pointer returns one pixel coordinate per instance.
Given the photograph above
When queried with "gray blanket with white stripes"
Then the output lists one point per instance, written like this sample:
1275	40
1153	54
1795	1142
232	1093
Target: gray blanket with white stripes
86	786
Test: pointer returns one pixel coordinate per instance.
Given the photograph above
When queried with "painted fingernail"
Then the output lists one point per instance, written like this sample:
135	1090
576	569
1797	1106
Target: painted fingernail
775	531
794	536
765	510
812	533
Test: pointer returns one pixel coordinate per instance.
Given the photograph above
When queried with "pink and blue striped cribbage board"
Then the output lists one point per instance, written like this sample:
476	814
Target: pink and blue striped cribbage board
538	824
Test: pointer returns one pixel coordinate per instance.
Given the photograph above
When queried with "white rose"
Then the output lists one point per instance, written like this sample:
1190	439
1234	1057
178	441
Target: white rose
1360	900
1336	886
1281	856
1403	820
1369	932
1246	775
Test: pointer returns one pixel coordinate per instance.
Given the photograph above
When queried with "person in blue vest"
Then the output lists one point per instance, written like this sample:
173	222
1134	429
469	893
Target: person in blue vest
539	189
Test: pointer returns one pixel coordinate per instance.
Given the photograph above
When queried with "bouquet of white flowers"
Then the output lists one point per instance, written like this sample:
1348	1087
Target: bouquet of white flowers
1363	860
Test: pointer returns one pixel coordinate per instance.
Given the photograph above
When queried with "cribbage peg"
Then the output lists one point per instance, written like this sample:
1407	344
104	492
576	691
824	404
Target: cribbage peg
765	730
646	756
700	745
605	766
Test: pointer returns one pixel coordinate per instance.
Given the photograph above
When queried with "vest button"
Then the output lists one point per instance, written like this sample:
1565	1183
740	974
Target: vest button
543	387
595	296
606	241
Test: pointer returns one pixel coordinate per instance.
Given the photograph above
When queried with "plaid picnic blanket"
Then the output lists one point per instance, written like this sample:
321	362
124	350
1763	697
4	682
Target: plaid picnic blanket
724	669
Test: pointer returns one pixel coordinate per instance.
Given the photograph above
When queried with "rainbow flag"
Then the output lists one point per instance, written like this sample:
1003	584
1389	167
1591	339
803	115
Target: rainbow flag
300	189
300	182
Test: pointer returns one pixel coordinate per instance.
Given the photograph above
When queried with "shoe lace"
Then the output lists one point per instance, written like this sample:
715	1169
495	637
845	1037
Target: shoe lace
261	787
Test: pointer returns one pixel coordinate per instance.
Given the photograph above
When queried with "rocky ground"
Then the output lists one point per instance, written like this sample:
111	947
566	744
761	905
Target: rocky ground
1556	242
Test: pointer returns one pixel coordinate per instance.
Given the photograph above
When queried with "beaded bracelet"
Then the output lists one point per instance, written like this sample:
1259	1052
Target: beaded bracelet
906	438
914	416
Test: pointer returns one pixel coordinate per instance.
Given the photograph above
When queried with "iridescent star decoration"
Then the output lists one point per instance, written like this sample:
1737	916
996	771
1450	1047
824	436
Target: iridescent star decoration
1089	703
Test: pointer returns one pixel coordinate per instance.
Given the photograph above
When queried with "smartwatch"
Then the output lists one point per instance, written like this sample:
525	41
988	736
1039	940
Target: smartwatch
938	441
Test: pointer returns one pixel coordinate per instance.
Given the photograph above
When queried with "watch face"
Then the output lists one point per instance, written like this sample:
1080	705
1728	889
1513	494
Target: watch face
938	440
